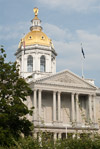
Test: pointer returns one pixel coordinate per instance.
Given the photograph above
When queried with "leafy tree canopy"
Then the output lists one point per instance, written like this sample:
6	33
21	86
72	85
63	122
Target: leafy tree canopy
13	91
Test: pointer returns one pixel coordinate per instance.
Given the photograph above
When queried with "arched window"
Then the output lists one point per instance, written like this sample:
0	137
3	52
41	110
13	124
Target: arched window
30	63
42	63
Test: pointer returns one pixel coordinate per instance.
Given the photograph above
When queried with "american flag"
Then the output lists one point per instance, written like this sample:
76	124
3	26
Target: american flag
83	52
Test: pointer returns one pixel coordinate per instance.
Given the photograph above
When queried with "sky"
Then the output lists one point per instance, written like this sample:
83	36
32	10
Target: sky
67	22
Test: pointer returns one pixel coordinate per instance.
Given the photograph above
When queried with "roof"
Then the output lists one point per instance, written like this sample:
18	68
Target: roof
36	37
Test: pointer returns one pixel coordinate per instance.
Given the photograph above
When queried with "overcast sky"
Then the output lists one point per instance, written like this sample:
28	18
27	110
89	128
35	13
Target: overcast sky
67	22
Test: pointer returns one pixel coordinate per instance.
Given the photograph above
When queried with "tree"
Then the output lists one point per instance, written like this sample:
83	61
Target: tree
13	92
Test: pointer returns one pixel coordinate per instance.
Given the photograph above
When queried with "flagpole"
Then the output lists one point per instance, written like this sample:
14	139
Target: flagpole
82	63
82	68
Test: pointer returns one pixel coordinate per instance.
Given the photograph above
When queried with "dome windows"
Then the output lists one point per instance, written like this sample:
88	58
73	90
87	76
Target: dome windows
30	37
30	63
42	63
42	37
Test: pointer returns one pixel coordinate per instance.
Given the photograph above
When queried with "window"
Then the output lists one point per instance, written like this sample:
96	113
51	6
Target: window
30	37
30	63
42	37
42	63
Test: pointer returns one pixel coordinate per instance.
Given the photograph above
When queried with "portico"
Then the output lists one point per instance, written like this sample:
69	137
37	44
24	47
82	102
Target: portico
61	110
57	106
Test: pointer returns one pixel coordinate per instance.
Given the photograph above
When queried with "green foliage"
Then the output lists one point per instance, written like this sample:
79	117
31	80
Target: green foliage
86	142
26	143
13	111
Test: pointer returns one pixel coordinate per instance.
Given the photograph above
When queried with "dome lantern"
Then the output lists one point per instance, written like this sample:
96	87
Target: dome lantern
36	22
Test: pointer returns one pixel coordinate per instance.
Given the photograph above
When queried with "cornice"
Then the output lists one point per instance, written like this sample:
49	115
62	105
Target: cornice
63	85
36	46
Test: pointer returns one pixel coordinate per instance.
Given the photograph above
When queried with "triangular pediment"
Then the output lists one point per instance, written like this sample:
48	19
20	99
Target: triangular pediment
66	78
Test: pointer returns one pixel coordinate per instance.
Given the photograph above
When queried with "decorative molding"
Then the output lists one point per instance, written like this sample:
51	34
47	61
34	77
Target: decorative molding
67	79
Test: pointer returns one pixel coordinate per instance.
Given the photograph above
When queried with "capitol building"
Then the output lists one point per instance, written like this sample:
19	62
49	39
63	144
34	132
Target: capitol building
63	102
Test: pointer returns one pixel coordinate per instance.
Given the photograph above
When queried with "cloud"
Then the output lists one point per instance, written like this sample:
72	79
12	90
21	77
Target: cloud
56	32
10	52
75	5
68	46
91	41
14	31
10	36
87	37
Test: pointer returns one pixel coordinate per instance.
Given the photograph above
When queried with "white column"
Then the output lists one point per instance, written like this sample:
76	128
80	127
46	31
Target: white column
73	136
54	106
77	108
59	135
72	108
35	104
59	106
90	107
55	136
87	110
39	104
66	131
94	108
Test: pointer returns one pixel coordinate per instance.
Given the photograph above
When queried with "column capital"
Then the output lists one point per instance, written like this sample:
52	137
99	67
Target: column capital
90	94
40	90
93	95
72	93
77	94
34	89
59	92
54	92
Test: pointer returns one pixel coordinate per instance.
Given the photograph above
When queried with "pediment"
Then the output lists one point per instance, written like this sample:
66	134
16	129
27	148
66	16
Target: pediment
67	78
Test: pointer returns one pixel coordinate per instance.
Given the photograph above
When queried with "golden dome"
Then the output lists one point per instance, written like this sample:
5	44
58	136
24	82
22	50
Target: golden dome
36	37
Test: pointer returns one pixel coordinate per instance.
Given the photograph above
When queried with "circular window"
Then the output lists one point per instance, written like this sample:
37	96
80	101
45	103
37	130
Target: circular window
42	37
30	37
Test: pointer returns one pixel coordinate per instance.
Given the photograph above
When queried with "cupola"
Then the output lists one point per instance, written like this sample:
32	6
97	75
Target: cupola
36	55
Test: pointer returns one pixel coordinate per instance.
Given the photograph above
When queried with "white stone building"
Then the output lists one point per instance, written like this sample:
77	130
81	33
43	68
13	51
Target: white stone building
63	101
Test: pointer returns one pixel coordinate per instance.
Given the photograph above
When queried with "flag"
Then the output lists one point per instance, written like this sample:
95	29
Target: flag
24	44
83	52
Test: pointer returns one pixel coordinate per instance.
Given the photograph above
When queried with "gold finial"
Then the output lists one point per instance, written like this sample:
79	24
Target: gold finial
36	10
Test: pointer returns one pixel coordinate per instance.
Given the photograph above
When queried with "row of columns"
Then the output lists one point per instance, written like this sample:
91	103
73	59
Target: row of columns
74	103
55	135
91	108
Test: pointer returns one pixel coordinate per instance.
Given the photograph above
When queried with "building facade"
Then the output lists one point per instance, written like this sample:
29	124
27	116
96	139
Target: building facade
63	102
